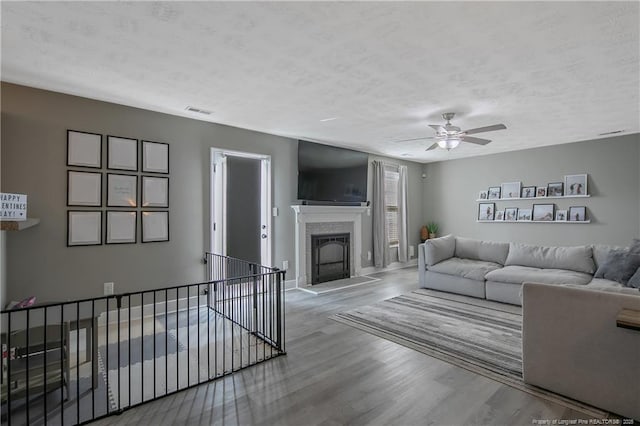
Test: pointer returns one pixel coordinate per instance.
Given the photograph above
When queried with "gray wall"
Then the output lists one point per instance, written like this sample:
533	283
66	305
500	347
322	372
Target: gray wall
612	164
34	125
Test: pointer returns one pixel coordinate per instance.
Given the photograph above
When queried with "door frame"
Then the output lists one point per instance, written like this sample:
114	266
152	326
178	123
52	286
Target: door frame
217	196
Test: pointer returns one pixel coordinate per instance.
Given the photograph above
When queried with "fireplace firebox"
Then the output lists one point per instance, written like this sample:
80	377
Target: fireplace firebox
330	257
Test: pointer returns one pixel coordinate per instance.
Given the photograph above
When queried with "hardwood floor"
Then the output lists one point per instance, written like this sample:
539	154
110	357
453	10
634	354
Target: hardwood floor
336	375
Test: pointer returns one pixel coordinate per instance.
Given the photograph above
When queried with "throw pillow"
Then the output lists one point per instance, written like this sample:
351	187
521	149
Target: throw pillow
634	281
635	246
619	266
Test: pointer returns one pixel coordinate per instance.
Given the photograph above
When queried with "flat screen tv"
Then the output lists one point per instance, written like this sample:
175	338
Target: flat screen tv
331	174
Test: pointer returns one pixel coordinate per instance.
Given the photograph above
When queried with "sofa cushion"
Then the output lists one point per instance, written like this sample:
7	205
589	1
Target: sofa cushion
579	258
619	266
601	252
611	286
466	268
519	274
489	251
634	281
438	249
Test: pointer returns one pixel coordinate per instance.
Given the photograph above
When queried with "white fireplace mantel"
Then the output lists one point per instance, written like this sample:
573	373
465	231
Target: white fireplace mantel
323	214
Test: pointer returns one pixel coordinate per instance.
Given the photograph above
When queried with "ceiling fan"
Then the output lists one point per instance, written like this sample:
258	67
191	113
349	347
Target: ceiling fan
449	136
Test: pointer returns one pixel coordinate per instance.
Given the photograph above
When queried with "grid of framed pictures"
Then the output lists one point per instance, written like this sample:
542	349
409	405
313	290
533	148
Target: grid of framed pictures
136	192
572	186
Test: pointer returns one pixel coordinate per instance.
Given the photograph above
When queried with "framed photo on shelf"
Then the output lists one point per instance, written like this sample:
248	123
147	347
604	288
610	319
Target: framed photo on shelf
84	149
510	213
486	211
84	188
524	215
122	153
121	227
494	193
577	214
575	185
122	190
541	191
155	157
483	195
561	215
543	212
555	189
155	191
155	226
499	215
84	228
510	190
528	192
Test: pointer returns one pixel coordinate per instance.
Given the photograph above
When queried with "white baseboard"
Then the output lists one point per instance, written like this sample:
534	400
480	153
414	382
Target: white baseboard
395	265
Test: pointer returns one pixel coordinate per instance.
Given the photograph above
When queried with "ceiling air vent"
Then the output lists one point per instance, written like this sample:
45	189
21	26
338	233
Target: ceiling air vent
611	133
198	110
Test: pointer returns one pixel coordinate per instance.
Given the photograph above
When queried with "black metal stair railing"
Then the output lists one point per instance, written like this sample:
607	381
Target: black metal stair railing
78	361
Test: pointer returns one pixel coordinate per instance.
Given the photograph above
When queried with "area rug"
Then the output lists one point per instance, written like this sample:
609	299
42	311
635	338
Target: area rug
474	334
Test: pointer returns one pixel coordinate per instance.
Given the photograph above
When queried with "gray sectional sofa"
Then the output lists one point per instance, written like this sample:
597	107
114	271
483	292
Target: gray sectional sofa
571	343
497	271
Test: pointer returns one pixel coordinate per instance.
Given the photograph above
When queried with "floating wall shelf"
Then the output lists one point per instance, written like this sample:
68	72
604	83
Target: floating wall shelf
557	222
487	200
18	225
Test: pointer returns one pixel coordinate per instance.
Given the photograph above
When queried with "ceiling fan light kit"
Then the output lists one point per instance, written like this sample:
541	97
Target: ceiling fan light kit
449	136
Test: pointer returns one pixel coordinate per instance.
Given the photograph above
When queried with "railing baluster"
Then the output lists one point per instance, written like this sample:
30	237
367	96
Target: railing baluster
154	345
166	342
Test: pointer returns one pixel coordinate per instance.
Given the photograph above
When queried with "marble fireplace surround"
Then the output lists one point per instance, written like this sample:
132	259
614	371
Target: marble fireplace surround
326	220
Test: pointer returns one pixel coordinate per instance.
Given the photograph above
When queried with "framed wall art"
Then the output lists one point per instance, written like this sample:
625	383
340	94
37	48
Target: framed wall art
541	191
155	191
528	192
494	193
155	226
122	190
577	214
84	149
555	189
122	153
84	188
486	211
561	215
121	227
575	185
84	228
510	213
543	212
155	157
510	190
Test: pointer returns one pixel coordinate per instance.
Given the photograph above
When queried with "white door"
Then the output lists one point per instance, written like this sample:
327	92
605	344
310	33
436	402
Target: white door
241	205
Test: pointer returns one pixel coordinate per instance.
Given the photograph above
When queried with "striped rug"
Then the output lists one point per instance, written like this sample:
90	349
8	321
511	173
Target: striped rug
478	335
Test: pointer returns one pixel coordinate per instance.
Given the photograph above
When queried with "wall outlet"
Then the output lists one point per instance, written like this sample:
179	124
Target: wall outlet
411	251
285	265
369	255
108	289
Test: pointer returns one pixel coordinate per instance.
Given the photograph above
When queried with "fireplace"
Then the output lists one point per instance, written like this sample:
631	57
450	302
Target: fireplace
330	255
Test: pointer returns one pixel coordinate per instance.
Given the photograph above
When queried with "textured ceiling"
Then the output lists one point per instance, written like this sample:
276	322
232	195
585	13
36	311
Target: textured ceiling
552	72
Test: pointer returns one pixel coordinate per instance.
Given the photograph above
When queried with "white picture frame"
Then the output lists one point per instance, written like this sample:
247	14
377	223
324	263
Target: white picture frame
84	228
575	185
121	227
122	153
155	157
122	190
155	191
483	195
499	216
577	214
543	212
84	149
155	226
510	190
84	188
561	216
524	215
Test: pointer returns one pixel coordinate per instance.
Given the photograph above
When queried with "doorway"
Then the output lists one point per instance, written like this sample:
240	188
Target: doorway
241	205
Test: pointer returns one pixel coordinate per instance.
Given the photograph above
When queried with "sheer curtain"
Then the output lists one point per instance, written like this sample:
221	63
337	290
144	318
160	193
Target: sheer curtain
403	233
380	239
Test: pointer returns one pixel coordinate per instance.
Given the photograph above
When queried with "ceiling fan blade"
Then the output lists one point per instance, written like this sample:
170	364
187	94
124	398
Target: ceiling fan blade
485	129
477	141
434	146
414	139
437	127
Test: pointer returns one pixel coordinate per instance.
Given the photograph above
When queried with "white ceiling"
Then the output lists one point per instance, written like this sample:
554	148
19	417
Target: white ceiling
552	72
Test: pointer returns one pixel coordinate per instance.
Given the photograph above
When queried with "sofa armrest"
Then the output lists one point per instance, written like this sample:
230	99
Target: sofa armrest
438	249
572	346
422	264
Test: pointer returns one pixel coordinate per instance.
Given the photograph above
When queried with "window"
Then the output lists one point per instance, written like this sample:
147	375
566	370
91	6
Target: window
391	183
